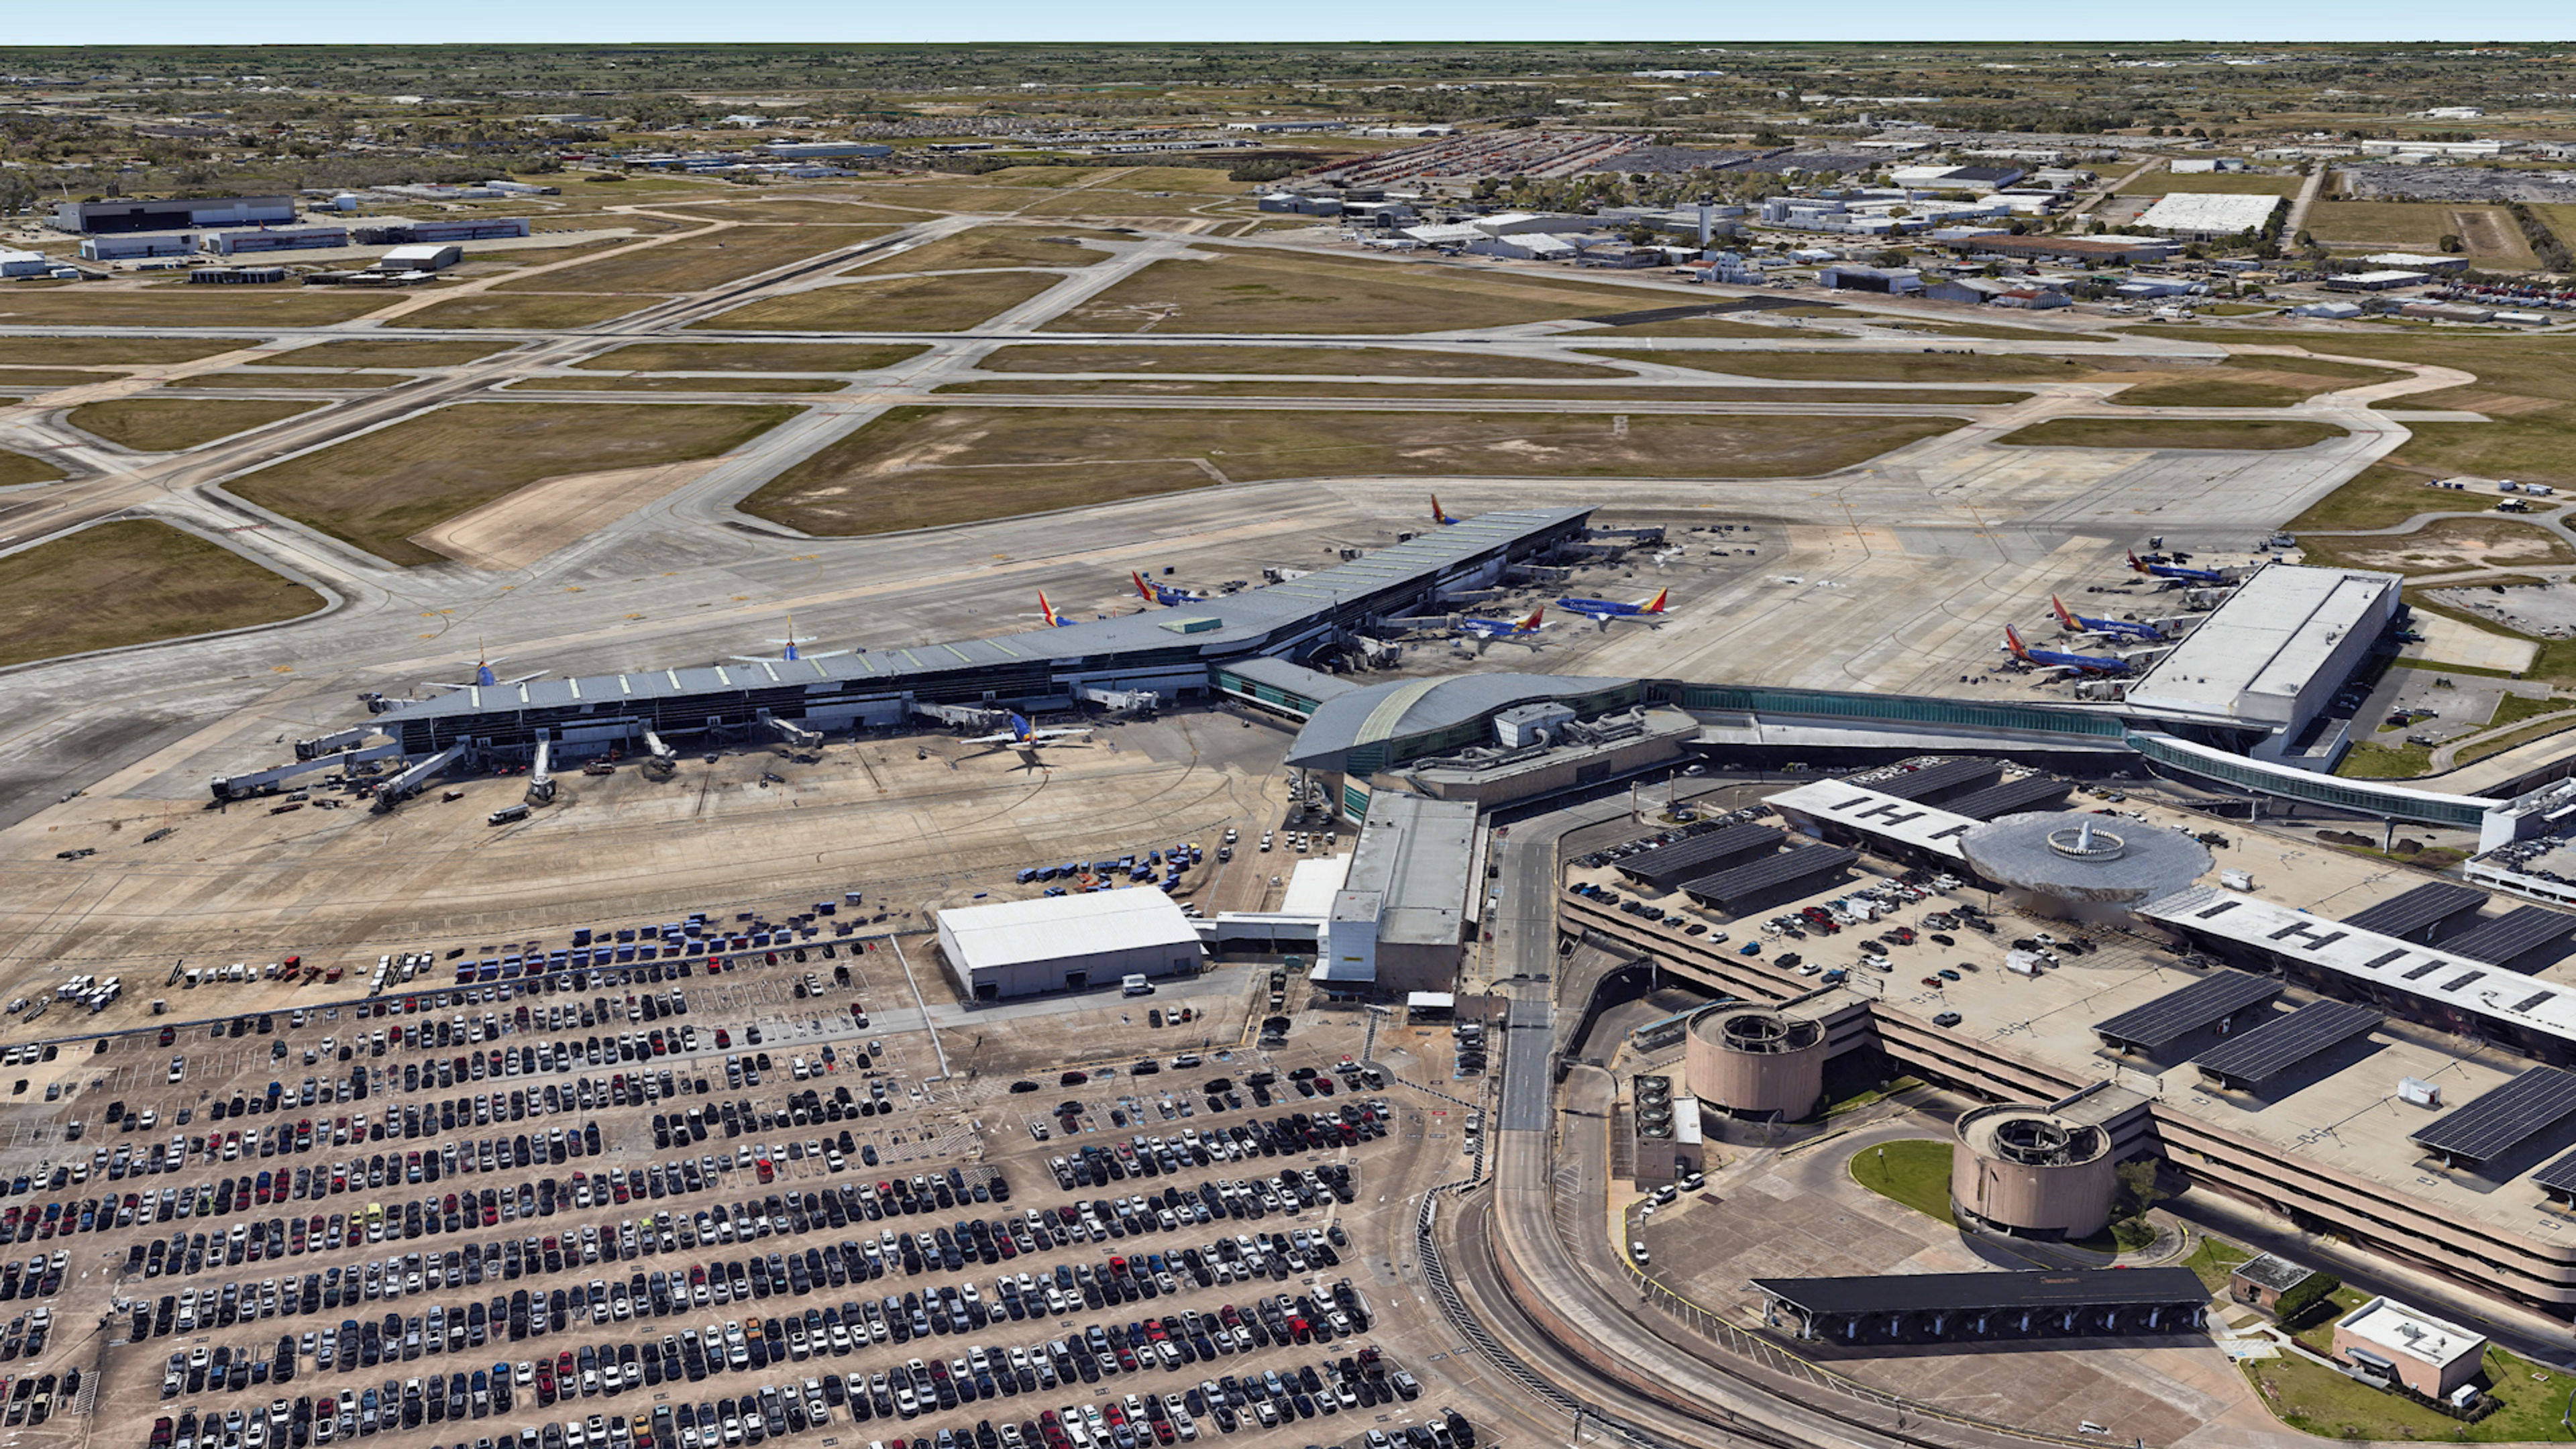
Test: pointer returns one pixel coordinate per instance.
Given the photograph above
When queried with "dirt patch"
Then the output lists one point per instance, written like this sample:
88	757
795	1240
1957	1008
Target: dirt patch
2448	546
517	529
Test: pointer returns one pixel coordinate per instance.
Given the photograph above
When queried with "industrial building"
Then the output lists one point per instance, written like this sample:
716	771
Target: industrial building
827	150
2258	671
277	239
2073	250
1405	909
419	257
2391	1343
15	263
1066	943
100	218
127	248
2378	281
2203	215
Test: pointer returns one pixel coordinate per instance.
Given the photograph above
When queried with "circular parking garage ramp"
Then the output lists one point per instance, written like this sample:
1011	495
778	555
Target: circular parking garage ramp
1755	1063
2081	867
2025	1170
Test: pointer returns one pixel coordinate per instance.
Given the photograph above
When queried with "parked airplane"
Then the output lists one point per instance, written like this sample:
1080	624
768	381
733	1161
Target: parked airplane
794	651
2118	628
1604	611
1026	737
1515	631
484	678
1165	594
2177	571
1047	612
2060	659
1438	517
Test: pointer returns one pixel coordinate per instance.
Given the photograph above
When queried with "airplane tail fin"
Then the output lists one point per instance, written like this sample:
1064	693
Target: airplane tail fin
1533	623
2134	565
2063	617
1143	589
1436	515
1020	726
1656	605
2012	641
1046	611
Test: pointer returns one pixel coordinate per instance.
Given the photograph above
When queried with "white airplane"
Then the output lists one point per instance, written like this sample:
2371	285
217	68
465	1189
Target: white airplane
1026	737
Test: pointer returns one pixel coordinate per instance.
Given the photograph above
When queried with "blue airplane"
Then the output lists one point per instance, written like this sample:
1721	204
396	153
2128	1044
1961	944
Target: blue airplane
2118	628
1516	631
1604	611
1164	594
484	678
2060	659
2177	571
793	651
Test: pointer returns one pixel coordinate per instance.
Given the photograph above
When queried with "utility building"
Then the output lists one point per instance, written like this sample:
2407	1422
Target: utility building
100	217
1065	943
1402	913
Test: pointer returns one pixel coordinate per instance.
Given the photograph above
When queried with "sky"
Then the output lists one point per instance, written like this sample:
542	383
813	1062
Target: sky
346	22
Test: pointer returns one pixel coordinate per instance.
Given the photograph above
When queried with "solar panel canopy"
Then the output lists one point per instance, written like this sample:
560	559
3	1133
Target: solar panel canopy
1932	781
2256	1056
1667	866
2012	797
2559	1177
2419	910
2177	1014
1770	873
2520	932
2503	1119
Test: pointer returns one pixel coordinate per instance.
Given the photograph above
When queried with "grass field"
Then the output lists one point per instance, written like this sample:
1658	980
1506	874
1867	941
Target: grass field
753	357
1263	292
2266	434
1200	387
2249	380
988	246
1342	361
536	310
899	304
2317	1400
109	351
698	261
1868	366
2157	181
378	489
37	378
1695	327
1915	1172
169	425
2488	232
389	352
655	382
920	466
133	582
293	379
184	306
2213	1259
2210	392
791	209
17	469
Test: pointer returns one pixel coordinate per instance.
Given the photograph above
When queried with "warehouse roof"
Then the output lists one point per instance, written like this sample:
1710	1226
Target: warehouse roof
2254	654
1409	869
2209	211
1052	928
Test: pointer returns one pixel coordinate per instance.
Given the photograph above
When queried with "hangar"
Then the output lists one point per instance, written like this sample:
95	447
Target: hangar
1065	943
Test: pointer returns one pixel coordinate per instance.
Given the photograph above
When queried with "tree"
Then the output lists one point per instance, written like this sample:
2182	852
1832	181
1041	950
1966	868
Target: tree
2303	1297
2453	244
1890	257
2139	1187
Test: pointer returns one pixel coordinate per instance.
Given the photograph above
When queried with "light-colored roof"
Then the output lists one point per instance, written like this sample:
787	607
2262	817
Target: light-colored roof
1409	870
2254	654
1886	817
1415	706
2209	211
1312	886
2405	1331
1053	928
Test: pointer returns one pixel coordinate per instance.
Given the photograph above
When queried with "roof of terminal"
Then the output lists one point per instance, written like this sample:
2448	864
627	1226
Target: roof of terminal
2254	653
1409	869
1244	618
1418	706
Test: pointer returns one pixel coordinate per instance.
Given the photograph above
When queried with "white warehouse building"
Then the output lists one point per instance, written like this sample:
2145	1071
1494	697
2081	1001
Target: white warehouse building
2268	660
1065	943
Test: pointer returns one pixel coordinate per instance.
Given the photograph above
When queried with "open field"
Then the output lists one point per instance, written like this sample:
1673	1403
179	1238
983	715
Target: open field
900	304
378	489
1868	366
1201	387
108	351
1343	361
167	425
2171	433
132	582
2157	181
654	382
2488	232
39	378
695	262
1697	327
2248	381
1915	1172
790	209
1265	292
295	379
181	305
989	246
2445	546
523	309
390	352
920	466
752	357
18	468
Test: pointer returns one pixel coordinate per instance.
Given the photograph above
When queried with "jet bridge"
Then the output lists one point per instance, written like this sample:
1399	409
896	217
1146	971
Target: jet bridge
335	743
407	784
792	732
262	782
541	775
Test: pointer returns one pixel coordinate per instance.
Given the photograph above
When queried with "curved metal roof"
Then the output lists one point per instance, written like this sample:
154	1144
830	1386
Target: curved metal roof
1410	707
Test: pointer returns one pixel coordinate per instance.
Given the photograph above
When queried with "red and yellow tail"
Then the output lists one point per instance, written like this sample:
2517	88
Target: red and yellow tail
2012	641
1531	624
1436	515
1046	611
1656	605
1144	589
2134	565
2063	617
